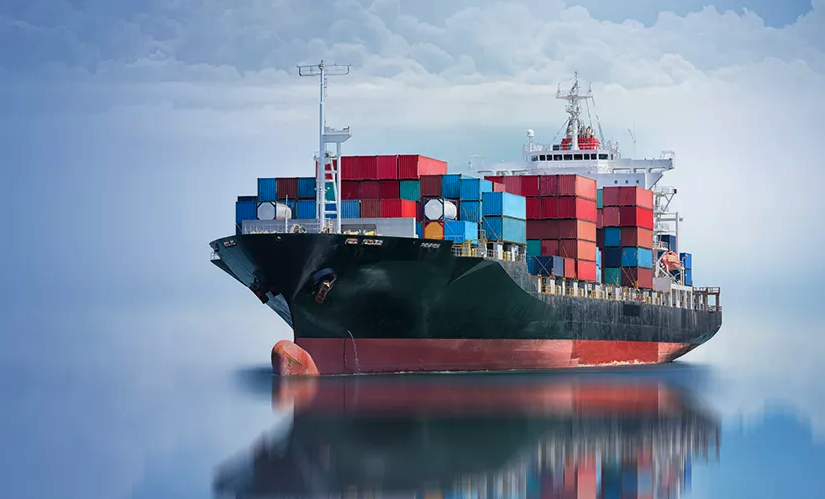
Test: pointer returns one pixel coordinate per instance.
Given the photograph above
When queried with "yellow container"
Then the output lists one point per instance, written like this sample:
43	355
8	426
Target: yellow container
434	230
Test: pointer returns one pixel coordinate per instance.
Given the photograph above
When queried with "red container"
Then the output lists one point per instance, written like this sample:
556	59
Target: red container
371	208
419	211
548	185
549	208
397	208
349	168
387	167
569	268
586	271
636	196
599	218
637	237
610	196
578	249
550	247
368	167
576	185
369	189
637	277
389	189
542	229
287	188
512	184
530	185
577	229
328	167
350	190
430	186
494	178
600	238
583	209
533	208
610	216
413	166
633	216
499	187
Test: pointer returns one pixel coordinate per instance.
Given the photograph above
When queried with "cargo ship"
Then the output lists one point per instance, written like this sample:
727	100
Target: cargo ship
388	263
487	435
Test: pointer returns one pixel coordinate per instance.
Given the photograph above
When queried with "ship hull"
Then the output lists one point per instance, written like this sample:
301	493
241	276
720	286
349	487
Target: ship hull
382	304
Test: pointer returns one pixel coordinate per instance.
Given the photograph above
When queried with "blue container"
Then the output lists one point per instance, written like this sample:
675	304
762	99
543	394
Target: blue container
246	210
637	257
459	231
599	199
472	188
505	229
549	266
451	186
267	189
630	482
612	237
687	260
612	275
247	198
351	208
331	207
688	277
598	257
293	205
419	230
306	209
306	188
410	190
645	481
533	247
531	265
470	211
329	192
598	273
503	204
669	240
612	257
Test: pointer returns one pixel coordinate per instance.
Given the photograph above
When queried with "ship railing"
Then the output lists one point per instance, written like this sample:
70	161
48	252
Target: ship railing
214	256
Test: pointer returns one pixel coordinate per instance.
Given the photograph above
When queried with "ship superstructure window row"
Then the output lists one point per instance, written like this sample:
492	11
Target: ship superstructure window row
569	157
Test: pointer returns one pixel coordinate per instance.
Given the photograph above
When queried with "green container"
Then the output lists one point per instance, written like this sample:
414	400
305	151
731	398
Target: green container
329	193
612	275
533	247
600	199
410	190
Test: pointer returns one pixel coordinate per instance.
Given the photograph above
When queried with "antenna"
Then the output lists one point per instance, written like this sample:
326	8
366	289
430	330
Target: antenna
574	108
322	71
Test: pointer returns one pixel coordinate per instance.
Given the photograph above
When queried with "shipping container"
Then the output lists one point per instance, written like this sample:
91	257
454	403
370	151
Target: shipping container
273	210
687	260
331	207
498	187
267	189
549	266
550	247
576	207
471	188
577	229
612	275
351	208
349	168
459	231
512	184
451	186
630	482
637	257
668	240
612	257
397	208
292	204
389	189
419	230
503	204
329	192
507	229
241	199
633	216
287	188
369	189
440	209
612	237
688	277
530	185
610	196
598	256
600	198
542	229
533	208
470	211
599	237
430	186
569	268
350	190
245	210
368	167
578	249
433	230
637	277
413	166
410	189
371	208
306	188
611	216
577	186
387	167
549	208
586	271
636	196
306	209
636	236
548	185
533	247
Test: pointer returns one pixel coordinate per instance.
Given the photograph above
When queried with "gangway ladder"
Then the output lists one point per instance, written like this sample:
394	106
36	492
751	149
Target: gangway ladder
325	209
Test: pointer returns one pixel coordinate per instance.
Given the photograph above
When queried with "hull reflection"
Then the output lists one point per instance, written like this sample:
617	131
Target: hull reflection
477	436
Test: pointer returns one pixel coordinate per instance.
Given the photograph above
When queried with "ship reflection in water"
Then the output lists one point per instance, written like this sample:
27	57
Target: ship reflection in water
477	436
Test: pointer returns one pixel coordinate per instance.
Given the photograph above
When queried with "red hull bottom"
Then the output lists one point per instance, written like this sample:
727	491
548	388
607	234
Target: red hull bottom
345	356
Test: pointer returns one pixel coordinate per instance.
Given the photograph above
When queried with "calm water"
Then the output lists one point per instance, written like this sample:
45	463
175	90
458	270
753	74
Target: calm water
177	406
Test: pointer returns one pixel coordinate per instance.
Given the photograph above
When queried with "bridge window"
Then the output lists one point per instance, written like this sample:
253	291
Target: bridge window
535	158
602	156
577	157
543	158
568	157
557	157
615	181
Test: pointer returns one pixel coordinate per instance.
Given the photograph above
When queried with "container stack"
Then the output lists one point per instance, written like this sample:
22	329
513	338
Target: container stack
687	265
626	236
504	217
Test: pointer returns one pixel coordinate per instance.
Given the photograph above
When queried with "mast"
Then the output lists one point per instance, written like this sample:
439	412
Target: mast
573	108
327	135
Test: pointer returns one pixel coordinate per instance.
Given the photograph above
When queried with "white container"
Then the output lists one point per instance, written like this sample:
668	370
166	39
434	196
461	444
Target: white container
274	211
439	209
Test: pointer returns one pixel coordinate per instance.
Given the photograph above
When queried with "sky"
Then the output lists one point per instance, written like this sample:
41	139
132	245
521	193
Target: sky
128	128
